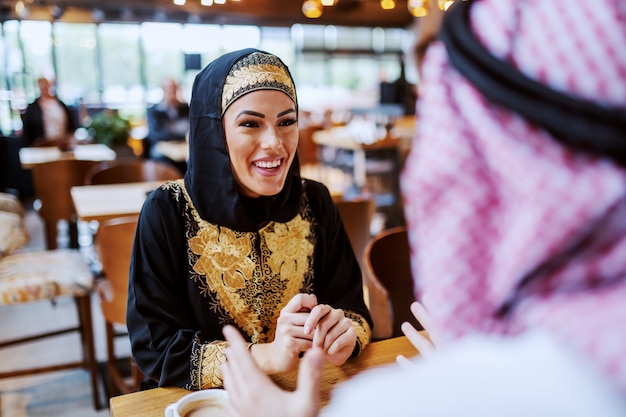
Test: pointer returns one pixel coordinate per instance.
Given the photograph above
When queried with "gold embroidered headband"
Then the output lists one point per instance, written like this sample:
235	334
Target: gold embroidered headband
257	71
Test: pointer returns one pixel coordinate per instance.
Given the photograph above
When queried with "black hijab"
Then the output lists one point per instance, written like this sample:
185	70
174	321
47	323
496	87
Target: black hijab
209	179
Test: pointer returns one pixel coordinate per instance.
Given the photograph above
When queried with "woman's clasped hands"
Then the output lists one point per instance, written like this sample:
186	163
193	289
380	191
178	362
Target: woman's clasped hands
303	324
254	394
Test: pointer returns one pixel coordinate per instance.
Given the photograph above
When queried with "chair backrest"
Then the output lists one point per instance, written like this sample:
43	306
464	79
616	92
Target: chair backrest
390	283
356	216
116	172
114	243
307	148
53	181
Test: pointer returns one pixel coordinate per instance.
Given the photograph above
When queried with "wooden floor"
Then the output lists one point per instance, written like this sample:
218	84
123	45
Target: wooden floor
64	393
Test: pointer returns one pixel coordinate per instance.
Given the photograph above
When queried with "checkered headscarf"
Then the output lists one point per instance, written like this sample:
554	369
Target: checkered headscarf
491	199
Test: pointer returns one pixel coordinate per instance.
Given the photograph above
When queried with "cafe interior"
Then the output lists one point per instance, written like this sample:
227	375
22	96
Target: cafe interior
65	349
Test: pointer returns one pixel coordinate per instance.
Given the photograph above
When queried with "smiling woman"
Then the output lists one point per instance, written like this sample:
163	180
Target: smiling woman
262	144
242	240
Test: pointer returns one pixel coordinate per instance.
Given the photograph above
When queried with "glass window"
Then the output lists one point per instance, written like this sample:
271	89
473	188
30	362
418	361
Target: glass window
13	95
238	37
356	39
164	58
278	41
121	65
202	39
395	39
311	78
357	78
310	37
77	70
120	62
36	37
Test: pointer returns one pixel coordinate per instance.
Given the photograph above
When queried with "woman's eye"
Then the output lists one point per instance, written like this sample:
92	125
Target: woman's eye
288	122
249	123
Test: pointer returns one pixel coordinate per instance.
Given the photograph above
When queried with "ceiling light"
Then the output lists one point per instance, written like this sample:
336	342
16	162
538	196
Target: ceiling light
387	4
418	8
21	10
312	9
444	4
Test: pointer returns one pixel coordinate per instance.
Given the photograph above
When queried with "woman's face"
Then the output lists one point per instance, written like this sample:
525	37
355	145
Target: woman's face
261	131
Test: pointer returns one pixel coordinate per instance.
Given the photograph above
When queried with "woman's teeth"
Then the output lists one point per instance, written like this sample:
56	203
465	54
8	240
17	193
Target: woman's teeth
268	164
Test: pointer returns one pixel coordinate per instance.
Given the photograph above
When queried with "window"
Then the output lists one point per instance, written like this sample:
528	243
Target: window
120	59
121	65
77	69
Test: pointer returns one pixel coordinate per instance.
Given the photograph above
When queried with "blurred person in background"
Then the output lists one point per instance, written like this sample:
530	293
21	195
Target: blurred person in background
47	121
515	199
168	121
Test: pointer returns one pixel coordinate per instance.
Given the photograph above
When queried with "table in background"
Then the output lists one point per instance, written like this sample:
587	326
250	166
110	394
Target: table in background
30	156
375	168
174	150
101	202
152	403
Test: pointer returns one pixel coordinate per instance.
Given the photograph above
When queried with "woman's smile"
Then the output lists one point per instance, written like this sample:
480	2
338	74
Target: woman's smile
262	134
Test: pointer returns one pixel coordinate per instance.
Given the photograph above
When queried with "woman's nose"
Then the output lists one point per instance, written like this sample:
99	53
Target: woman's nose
271	139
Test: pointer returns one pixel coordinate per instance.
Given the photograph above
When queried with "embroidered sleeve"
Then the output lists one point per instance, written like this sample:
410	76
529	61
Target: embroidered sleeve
206	364
362	329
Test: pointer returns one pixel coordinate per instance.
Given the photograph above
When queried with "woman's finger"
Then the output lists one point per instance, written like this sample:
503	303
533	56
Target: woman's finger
301	302
318	313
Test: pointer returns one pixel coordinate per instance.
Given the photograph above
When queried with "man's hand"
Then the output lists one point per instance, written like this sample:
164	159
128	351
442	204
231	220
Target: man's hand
254	394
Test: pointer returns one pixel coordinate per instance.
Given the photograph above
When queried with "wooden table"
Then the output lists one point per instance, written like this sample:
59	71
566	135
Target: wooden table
152	403
30	156
101	202
175	150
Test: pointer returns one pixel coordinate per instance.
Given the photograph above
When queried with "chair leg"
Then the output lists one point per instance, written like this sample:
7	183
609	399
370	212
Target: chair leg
137	375
115	380
51	233
83	304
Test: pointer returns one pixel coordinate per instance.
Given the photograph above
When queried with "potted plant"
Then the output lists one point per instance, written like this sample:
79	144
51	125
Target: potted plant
109	128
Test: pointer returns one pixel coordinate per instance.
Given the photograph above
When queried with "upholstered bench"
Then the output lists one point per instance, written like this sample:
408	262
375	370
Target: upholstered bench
9	203
44	276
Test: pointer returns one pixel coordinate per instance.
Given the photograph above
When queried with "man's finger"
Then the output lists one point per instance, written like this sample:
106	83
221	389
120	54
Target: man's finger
423	345
310	375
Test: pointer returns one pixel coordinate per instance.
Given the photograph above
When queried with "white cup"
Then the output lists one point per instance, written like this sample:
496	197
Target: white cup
204	403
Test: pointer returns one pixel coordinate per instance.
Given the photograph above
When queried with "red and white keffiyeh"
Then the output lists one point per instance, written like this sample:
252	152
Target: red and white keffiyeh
490	197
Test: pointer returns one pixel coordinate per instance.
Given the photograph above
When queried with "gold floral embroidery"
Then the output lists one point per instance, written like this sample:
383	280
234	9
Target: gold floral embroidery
361	327
253	72
290	248
223	256
247	277
212	358
252	275
290	256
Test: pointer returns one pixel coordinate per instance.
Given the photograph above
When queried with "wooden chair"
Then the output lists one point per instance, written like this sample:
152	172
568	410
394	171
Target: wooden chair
45	276
115	172
114	245
307	148
390	284
356	216
53	181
